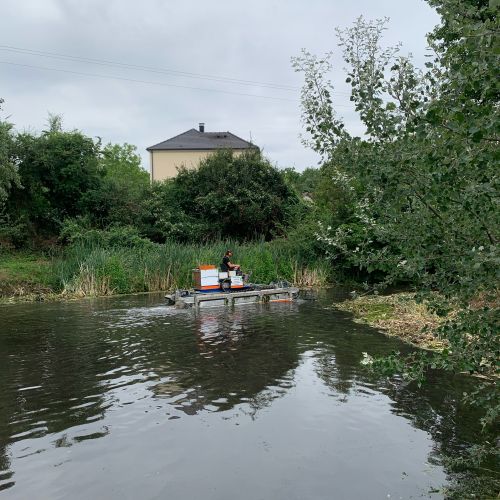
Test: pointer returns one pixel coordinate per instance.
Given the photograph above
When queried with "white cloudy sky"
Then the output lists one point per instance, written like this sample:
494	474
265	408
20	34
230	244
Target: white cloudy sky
251	41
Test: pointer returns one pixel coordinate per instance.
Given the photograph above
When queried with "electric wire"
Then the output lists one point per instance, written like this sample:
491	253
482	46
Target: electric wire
104	62
149	82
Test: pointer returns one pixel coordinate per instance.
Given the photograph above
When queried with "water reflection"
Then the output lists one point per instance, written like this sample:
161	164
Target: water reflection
234	361
77	375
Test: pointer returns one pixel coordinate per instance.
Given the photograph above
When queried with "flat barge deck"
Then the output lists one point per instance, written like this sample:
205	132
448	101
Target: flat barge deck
197	299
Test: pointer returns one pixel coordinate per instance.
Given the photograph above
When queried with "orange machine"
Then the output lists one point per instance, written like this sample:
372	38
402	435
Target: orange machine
207	277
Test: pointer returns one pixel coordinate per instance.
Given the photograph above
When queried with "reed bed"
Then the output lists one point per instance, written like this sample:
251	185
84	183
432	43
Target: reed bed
93	270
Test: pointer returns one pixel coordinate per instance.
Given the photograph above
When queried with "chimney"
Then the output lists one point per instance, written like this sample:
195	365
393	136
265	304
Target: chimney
202	127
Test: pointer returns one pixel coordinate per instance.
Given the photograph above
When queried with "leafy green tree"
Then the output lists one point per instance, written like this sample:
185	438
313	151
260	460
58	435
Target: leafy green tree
11	229
118	199
8	172
57	169
122	163
306	182
228	196
165	218
424	178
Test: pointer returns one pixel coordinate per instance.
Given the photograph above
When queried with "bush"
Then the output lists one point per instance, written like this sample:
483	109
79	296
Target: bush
77	232
239	197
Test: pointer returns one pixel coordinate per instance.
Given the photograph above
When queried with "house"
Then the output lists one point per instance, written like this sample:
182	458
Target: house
189	148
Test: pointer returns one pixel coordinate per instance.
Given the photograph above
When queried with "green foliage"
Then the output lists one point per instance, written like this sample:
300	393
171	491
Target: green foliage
305	182
61	175
243	196
423	186
80	232
166	220
335	196
57	170
327	204
422	183
123	189
13	233
228	196
8	172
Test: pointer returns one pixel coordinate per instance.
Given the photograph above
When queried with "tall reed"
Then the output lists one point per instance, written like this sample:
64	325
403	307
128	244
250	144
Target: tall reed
95	270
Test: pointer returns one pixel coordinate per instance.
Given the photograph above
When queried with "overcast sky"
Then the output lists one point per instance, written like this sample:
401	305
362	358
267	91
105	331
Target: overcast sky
213	41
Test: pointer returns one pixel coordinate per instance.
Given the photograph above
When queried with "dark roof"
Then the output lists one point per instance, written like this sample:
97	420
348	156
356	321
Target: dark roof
193	139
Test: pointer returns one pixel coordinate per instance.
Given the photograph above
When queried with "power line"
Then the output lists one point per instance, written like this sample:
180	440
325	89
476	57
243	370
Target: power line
148	82
163	84
104	62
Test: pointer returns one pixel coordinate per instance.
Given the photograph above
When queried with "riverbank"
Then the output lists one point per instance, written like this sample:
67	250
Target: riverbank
79	271
397	315
25	276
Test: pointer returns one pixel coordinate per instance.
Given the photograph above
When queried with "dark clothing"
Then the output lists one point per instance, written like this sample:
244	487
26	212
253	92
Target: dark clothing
224	266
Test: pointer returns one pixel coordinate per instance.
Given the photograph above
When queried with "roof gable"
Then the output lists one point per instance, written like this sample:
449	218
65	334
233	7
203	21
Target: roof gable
193	139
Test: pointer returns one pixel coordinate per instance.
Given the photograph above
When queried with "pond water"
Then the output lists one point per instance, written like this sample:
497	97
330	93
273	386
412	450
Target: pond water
125	398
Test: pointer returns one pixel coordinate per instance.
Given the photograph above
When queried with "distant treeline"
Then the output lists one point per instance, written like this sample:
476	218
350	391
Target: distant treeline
60	186
61	178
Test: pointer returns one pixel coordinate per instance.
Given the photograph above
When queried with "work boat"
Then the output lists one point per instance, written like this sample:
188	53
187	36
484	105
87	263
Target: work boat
215	288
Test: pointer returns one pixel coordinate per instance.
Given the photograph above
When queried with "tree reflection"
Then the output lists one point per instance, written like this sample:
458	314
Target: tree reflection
436	408
62	366
236	360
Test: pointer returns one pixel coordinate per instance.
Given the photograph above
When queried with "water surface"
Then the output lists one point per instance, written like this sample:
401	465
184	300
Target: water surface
125	398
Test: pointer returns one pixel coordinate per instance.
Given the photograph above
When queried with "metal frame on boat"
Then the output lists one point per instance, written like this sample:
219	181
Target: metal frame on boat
214	288
250	295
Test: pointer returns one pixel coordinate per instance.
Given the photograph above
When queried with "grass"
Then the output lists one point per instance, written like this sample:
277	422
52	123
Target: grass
24	274
105	271
93	270
398	315
23	266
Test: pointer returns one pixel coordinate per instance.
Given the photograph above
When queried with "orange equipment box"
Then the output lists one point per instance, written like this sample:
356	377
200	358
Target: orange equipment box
206	277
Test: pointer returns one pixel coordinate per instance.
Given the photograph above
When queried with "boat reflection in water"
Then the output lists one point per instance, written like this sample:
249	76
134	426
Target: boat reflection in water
128	398
231	353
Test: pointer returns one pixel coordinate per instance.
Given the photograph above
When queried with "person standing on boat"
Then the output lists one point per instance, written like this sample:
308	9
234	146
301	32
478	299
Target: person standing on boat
226	264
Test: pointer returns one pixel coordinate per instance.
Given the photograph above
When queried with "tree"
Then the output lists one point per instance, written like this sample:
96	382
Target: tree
8	171
306	182
228	196
166	219
425	176
57	169
118	199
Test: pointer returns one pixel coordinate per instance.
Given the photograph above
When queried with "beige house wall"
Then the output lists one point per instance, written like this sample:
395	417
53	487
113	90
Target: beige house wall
164	164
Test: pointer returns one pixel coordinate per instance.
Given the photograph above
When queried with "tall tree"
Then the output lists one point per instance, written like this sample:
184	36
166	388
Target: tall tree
425	174
57	169
119	197
239	196
8	171
229	196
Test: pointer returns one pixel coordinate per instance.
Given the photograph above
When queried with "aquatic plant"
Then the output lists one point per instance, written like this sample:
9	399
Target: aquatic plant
88	270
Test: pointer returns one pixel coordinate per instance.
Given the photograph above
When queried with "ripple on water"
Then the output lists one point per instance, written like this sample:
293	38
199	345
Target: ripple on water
248	401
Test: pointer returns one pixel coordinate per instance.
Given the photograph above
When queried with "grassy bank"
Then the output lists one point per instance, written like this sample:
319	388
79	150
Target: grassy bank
397	315
94	270
25	274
